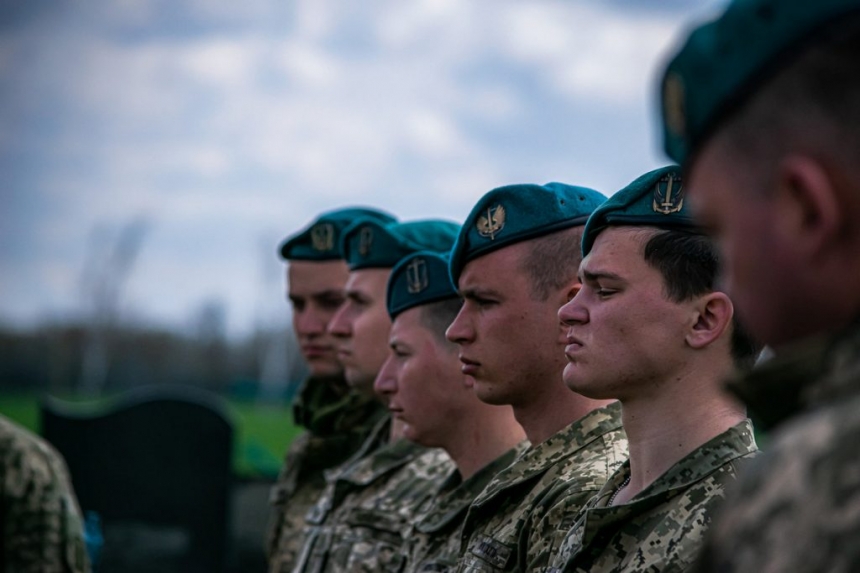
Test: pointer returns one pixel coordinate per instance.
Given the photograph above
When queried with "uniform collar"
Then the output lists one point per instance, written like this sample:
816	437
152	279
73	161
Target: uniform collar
736	442
562	445
454	497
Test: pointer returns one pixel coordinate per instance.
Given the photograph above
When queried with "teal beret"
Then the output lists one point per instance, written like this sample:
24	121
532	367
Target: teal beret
655	199
320	241
419	279
723	62
368	243
514	213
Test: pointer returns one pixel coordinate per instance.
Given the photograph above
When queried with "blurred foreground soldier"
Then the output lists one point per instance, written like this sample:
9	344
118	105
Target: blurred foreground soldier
359	522
650	328
41	530
762	107
336	420
426	391
515	264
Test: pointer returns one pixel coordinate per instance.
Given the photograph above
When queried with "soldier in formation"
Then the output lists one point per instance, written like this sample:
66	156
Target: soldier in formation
360	521
762	109
650	327
515	264
336	419
426	390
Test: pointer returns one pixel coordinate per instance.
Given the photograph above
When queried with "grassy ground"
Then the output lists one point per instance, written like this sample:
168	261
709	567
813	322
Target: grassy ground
263	431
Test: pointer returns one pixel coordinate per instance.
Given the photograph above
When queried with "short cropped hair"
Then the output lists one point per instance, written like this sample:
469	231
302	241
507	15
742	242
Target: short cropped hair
438	316
689	264
552	261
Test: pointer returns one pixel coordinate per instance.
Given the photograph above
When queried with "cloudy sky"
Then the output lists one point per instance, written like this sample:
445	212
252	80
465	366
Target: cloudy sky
153	154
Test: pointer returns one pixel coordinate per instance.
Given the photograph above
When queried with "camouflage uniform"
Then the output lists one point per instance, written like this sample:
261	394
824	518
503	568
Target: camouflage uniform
40	522
797	506
662	527
360	521
506	529
338	423
434	542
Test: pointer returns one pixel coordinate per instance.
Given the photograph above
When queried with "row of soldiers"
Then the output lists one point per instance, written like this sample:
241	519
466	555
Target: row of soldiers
542	388
599	328
511	405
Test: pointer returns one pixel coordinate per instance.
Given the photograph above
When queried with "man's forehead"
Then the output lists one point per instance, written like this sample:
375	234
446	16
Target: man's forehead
615	243
494	267
316	275
371	281
406	324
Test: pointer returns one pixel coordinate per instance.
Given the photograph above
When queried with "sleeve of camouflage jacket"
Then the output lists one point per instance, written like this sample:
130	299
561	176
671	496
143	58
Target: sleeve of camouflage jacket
42	529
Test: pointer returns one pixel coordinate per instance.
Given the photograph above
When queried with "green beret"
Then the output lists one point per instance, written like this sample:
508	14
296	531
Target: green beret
320	241
419	279
655	199
723	62
369	244
514	213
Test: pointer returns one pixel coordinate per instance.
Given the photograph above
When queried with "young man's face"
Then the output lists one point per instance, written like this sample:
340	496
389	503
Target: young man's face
761	274
360	327
315	290
507	338
624	335
422	382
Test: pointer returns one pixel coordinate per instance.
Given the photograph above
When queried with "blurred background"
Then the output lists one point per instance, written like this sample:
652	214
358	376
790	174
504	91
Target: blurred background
153	154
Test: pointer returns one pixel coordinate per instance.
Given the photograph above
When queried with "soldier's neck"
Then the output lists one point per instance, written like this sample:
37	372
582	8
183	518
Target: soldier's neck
479	440
664	428
551	409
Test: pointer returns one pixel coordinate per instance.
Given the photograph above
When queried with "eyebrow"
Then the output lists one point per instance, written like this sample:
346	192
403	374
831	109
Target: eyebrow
328	294
357	295
478	292
592	276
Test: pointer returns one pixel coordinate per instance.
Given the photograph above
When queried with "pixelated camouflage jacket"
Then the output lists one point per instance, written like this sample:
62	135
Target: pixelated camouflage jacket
41	530
338	423
797	506
433	543
505	528
663	526
360	521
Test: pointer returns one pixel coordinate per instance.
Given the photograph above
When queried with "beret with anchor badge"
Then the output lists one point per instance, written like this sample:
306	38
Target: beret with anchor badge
419	279
368	243
655	199
723	62
515	213
320	241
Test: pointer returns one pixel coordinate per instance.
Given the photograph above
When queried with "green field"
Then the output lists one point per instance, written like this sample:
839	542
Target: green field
263	431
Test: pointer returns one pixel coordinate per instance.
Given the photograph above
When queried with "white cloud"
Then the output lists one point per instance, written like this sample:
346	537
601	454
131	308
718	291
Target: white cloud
591	52
222	62
310	66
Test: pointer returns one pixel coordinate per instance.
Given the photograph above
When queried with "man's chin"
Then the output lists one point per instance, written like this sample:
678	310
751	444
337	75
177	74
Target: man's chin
486	394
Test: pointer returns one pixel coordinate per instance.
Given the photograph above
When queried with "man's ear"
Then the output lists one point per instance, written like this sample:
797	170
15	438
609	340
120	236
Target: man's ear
808	204
712	316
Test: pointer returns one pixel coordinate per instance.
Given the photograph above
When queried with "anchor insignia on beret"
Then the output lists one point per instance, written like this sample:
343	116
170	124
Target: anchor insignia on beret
490	224
416	276
668	195
365	240
322	237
